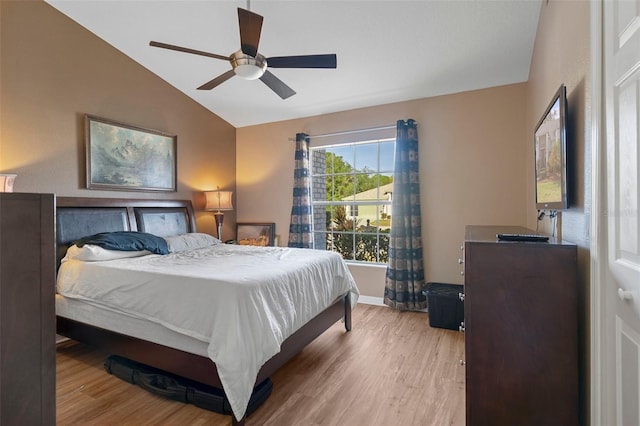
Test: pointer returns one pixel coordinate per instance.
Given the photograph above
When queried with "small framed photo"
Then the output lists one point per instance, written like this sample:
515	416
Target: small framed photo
128	158
256	234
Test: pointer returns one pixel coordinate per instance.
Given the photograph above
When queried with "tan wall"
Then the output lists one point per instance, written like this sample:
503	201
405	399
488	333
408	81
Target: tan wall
53	72
562	55
472	167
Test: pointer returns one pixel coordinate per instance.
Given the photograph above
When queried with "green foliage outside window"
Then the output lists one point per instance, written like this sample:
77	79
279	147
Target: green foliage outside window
343	173
371	242
352	239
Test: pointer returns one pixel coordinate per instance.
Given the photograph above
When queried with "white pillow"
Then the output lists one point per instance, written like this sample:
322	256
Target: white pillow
93	253
191	241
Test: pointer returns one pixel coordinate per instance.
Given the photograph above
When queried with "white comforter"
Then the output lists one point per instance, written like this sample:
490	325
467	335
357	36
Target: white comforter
243	300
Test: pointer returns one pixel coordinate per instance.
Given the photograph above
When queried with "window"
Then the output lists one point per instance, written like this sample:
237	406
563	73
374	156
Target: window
352	190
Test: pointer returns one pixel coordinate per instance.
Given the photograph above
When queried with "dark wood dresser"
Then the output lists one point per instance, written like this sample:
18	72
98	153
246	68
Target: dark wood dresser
521	335
27	309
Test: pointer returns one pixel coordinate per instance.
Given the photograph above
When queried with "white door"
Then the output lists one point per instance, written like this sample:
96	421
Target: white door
620	275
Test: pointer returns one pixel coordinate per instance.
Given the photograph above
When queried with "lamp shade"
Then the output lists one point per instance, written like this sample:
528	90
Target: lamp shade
218	200
6	182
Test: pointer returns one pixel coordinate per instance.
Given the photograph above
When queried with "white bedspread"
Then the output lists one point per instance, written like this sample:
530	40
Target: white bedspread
243	300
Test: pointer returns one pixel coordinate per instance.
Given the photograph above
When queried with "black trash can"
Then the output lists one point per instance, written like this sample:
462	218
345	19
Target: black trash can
446	310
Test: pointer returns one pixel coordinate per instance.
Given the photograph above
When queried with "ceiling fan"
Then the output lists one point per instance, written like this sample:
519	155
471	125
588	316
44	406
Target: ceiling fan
247	63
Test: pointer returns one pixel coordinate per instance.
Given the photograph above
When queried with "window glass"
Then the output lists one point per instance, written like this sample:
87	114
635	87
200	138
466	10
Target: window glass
352	193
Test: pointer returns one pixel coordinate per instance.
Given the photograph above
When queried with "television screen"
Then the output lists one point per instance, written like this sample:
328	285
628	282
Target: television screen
551	155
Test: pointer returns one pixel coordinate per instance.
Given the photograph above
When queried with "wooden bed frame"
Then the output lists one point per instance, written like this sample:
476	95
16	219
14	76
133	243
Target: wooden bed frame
79	217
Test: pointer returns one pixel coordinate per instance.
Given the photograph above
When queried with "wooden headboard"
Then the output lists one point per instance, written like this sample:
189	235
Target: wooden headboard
78	217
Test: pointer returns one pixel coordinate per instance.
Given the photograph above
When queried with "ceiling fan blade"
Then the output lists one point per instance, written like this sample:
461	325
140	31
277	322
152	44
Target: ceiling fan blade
250	28
303	61
187	50
217	81
277	85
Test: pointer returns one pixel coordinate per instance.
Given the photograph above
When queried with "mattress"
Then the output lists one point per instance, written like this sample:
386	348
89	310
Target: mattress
98	316
241	302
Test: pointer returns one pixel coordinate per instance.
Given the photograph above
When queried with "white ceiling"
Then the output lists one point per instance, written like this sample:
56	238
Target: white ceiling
388	51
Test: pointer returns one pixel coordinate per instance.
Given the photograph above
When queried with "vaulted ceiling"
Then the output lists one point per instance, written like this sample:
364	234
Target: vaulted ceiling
387	51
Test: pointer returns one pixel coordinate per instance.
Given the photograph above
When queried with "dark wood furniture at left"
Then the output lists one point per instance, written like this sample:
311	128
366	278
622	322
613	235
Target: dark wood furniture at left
27	310
79	217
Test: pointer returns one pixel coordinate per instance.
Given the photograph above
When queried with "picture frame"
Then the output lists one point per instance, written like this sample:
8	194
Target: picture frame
256	234
124	157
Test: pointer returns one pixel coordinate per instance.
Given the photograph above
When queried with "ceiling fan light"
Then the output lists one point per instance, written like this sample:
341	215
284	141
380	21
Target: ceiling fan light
248	72
248	67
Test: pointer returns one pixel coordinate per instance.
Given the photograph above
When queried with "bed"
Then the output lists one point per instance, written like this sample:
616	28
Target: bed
122	331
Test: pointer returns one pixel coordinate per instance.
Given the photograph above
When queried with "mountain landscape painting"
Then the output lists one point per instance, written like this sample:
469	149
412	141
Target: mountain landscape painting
129	158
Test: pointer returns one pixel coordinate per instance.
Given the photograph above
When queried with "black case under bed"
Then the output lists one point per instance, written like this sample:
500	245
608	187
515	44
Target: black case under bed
180	389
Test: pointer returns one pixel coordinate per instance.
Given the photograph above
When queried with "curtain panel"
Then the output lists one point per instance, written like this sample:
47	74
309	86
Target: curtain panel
404	281
300	228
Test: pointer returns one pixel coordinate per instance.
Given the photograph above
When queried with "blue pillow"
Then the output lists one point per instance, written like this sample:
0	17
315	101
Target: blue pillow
126	241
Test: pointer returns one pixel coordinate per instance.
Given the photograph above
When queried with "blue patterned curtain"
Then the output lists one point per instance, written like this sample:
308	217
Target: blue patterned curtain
300	229
405	272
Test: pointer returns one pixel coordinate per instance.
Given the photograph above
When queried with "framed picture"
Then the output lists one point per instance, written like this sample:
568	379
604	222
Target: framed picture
129	158
256	234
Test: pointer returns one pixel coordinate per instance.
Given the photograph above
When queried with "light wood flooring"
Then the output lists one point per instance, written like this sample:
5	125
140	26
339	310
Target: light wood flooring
391	369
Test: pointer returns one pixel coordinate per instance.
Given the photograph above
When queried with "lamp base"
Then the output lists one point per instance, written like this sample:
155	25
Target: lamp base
219	220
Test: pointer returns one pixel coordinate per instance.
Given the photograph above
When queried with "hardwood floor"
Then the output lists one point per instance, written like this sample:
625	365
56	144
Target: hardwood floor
391	369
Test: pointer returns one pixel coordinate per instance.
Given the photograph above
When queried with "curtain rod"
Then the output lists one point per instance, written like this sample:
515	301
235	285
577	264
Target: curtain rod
349	132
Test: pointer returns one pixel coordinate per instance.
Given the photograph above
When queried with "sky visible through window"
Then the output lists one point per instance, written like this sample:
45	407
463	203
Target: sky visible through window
366	155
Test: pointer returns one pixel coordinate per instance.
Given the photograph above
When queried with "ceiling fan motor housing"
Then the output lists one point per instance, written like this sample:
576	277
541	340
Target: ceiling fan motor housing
248	67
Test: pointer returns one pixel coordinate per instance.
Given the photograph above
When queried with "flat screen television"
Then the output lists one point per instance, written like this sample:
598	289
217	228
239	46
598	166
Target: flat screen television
551	154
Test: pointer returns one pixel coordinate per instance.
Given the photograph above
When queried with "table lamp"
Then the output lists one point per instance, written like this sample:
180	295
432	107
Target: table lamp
218	201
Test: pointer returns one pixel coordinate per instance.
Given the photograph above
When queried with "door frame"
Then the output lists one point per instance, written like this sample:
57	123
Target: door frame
598	247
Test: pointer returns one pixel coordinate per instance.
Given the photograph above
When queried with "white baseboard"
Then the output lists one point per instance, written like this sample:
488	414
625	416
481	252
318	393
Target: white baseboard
379	301
371	300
